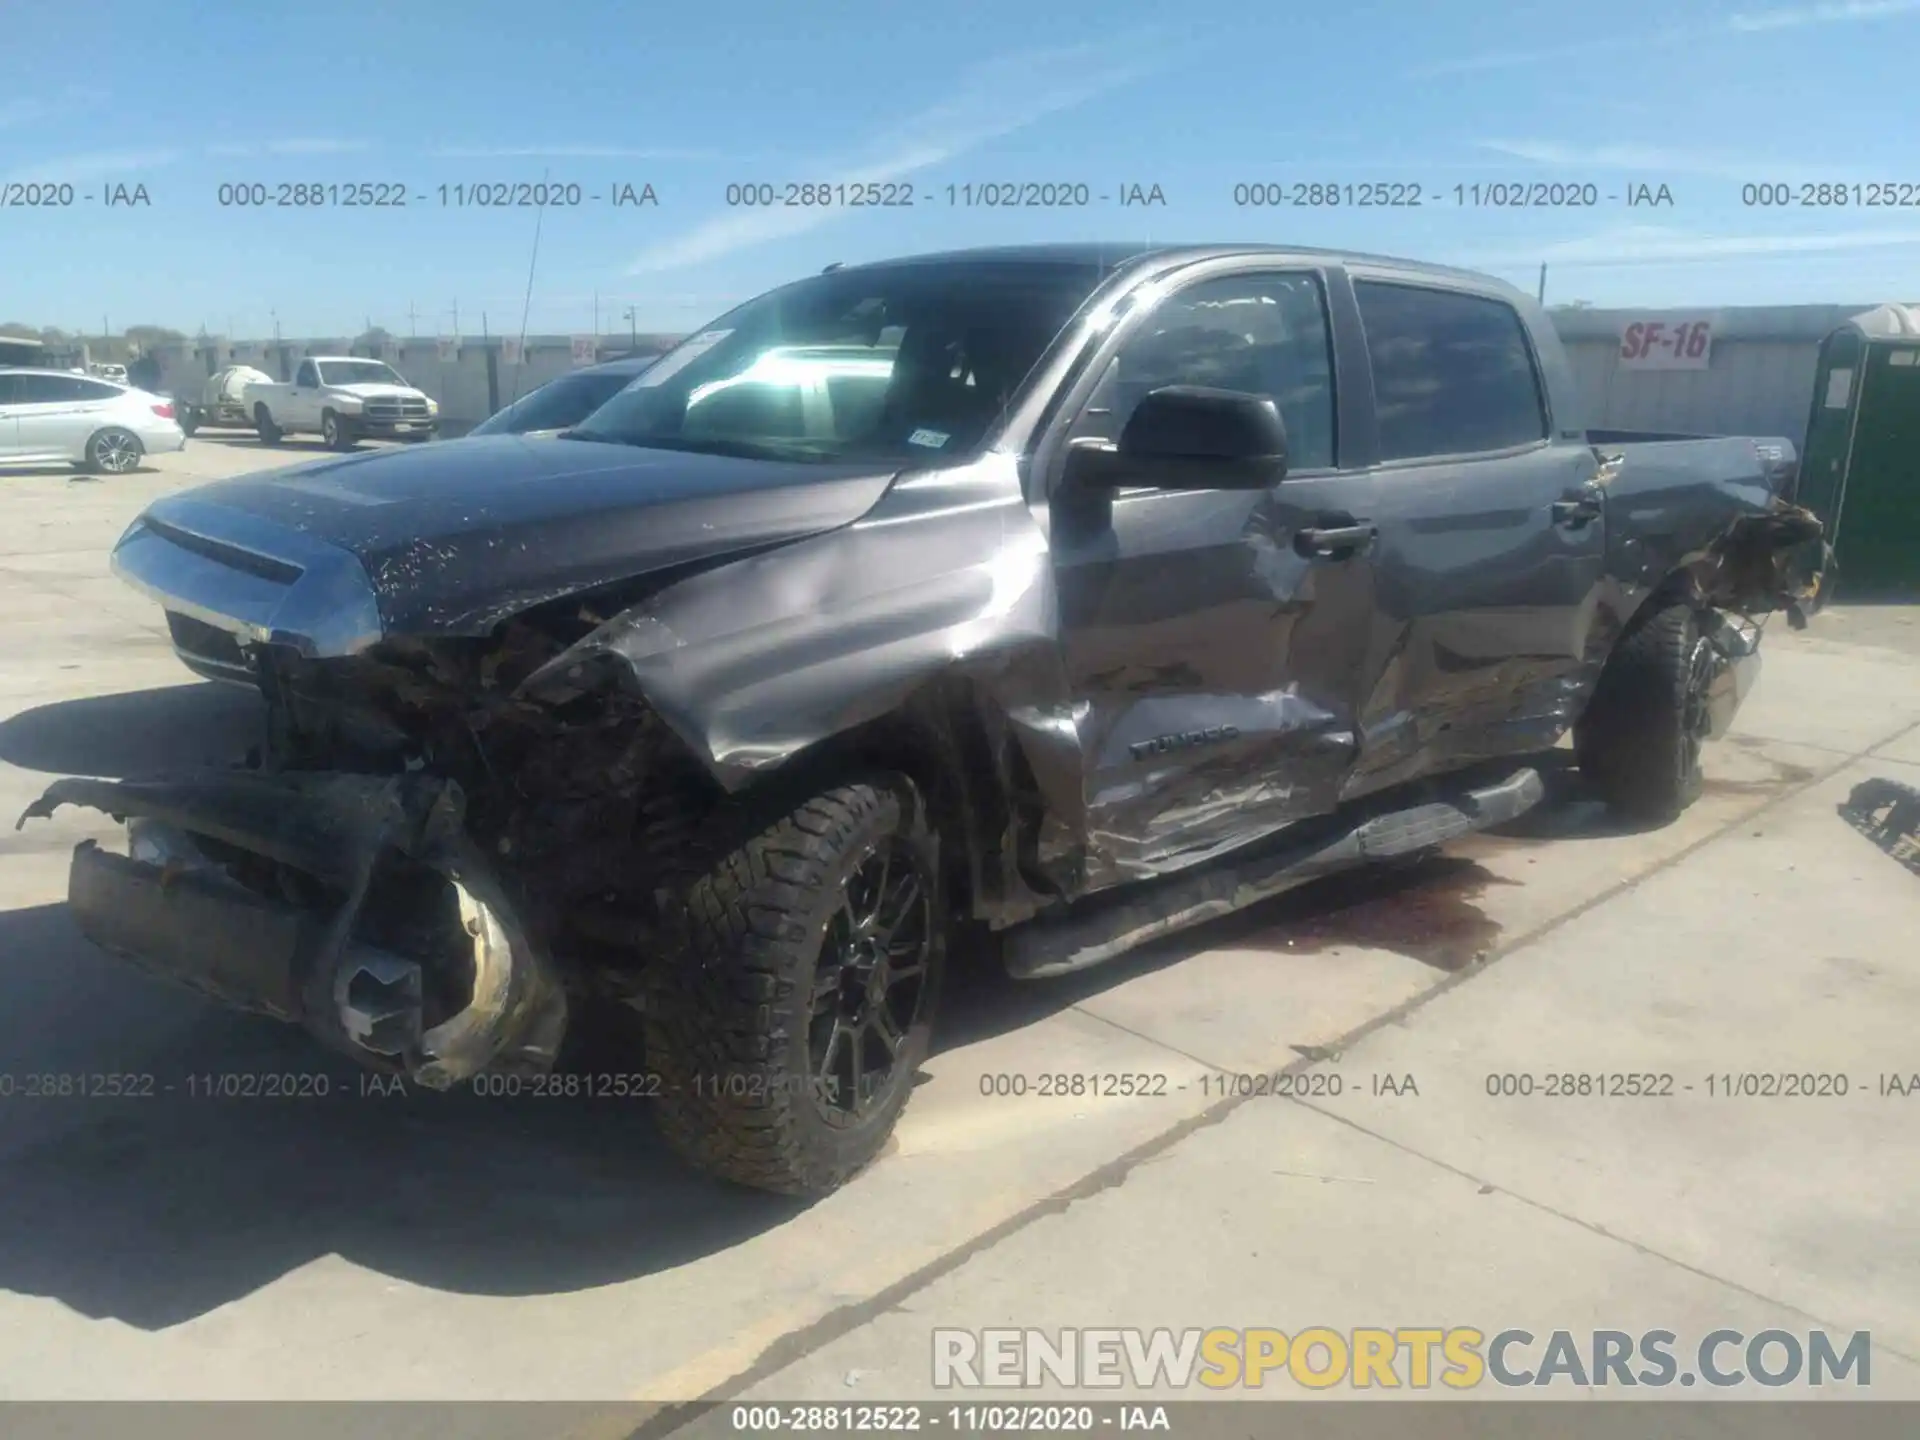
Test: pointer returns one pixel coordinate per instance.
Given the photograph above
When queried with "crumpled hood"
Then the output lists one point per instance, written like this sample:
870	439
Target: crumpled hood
457	536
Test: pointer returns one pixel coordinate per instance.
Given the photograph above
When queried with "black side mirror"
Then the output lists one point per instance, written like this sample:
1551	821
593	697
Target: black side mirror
1190	437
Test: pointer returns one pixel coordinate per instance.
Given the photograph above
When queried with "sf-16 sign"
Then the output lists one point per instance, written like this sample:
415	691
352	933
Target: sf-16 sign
1684	344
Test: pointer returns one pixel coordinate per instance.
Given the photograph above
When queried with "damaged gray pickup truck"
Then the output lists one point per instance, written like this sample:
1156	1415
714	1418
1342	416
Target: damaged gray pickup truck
1056	596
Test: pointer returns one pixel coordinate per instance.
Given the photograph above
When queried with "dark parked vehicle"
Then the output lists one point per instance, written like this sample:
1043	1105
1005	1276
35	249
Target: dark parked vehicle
566	401
1147	584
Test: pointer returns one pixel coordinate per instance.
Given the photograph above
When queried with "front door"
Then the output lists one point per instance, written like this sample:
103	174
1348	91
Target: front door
303	404
1215	641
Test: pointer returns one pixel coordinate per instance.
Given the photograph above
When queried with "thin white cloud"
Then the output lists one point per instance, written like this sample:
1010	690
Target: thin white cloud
993	99
1637	245
290	147
1653	160
95	165
567	152
1788	17
1793	17
19	112
1575	50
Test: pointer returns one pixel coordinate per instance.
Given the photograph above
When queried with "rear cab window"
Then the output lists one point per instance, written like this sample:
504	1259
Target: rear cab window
1453	373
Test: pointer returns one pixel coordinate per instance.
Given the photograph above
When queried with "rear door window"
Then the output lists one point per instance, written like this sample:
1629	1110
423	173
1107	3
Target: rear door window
55	389
1453	374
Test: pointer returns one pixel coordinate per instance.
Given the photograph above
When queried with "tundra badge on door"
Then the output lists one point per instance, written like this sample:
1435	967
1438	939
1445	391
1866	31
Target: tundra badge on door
1183	740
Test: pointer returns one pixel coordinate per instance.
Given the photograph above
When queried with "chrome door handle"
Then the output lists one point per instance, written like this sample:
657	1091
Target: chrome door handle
1334	541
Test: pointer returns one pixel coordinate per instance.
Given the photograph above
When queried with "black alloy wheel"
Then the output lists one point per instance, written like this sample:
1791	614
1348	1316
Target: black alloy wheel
870	984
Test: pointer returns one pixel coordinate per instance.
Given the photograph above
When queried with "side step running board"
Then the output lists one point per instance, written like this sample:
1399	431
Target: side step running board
1105	928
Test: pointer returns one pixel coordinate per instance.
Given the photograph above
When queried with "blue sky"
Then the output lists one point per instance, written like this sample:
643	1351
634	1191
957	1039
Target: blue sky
1196	99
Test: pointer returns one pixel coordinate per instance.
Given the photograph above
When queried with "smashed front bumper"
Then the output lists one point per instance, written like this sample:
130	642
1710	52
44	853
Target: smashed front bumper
262	892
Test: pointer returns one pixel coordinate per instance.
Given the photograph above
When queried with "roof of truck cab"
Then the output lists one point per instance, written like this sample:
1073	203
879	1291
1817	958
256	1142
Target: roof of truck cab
1120	254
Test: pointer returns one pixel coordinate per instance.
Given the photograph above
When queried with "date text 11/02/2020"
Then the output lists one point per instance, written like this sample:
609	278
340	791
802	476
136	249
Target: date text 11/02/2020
1713	1085
1216	1084
1318	1084
1412	195
398	195
905	195
320	1085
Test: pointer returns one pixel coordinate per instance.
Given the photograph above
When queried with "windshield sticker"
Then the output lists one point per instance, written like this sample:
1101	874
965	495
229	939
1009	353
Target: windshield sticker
671	364
929	439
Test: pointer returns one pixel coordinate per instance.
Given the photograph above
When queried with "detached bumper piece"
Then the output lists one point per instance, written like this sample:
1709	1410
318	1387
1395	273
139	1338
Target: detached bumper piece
1385	830
1887	813
354	906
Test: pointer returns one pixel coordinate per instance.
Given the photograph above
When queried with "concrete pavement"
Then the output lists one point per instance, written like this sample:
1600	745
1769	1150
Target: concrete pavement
353	1246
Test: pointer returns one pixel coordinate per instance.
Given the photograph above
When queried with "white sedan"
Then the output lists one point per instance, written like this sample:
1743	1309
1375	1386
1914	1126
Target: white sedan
49	416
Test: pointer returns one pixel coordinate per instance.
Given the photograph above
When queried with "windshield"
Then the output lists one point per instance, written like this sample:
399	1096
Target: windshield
358	372
907	362
556	405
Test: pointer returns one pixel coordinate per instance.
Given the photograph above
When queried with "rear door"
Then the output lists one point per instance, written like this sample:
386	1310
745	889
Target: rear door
1491	534
1215	647
58	414
9	420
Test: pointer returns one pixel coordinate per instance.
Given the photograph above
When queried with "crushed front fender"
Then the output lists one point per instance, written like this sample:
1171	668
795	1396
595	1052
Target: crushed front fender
355	906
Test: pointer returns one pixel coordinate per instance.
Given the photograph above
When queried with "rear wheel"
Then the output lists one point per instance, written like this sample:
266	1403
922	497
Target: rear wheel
1639	742
787	1039
114	451
270	433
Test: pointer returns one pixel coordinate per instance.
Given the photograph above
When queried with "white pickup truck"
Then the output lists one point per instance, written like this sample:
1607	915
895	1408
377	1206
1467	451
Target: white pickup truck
343	399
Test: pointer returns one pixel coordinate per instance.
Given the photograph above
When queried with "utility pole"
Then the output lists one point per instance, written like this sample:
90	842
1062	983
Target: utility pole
596	317
633	330
456	319
413	330
1542	296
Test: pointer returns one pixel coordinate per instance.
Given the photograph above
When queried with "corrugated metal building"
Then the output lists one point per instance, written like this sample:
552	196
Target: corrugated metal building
1757	380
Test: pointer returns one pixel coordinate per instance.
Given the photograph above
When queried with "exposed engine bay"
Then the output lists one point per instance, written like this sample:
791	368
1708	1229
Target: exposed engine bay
435	863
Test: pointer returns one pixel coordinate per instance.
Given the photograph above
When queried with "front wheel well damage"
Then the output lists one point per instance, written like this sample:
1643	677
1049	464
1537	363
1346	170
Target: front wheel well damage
951	741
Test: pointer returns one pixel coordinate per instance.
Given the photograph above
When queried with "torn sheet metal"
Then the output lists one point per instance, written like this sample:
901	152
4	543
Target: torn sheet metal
263	891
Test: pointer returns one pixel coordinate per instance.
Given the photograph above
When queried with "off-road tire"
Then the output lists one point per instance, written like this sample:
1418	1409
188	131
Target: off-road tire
1639	742
269	433
728	1022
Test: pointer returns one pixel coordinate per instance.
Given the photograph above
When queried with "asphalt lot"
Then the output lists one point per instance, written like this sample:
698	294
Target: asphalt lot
441	1247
